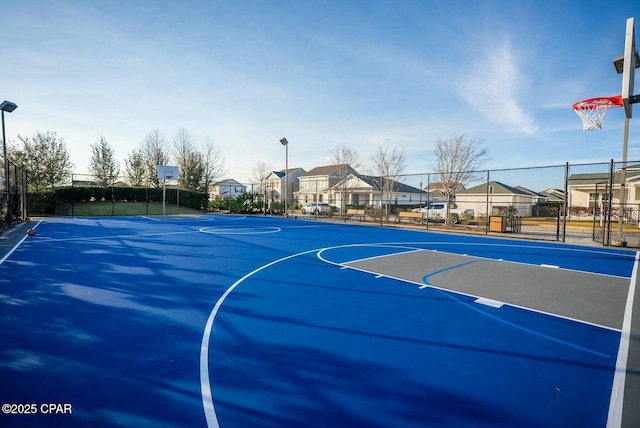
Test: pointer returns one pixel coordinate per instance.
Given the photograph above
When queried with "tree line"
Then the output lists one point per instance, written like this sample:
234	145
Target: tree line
458	159
45	157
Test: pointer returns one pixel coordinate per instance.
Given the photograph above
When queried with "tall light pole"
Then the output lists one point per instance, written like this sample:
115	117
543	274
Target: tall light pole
285	143
7	106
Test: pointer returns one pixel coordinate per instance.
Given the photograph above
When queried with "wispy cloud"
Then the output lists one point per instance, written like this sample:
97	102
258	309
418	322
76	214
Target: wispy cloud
495	86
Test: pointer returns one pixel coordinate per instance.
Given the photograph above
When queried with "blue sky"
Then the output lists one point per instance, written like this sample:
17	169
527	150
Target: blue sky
320	73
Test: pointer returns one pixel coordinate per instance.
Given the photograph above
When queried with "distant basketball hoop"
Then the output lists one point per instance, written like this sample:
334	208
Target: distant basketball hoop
592	110
167	173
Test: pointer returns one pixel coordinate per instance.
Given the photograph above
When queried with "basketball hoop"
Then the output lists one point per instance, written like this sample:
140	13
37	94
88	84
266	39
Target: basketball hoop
592	110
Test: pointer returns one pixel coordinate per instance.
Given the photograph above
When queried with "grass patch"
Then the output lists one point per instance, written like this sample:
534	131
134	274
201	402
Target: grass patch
91	209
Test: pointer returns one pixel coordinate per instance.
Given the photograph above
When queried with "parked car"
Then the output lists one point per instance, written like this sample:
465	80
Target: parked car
437	210
316	208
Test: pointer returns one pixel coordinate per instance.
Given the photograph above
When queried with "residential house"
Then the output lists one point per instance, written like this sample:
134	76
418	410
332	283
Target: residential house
225	189
536	198
276	181
553	195
592	189
495	198
367	191
436	190
318	184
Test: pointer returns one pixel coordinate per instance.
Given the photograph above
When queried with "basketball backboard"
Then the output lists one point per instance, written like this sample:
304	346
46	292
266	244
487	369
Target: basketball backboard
166	172
627	66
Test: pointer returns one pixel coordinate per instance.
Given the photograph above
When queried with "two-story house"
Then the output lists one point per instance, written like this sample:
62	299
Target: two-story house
370	191
318	184
276	182
225	189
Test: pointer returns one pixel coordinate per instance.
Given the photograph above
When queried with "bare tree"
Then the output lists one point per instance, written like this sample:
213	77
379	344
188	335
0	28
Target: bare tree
259	172
156	152
213	164
346	161
103	165
188	160
388	166
458	159
135	168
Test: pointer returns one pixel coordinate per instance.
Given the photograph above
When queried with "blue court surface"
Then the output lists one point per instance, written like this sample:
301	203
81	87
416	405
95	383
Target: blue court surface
232	321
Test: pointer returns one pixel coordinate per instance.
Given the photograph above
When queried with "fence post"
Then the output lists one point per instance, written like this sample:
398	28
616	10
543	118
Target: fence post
487	217
73	194
565	202
428	198
607	239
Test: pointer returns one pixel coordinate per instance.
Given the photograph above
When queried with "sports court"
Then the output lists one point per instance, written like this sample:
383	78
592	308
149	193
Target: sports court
235	321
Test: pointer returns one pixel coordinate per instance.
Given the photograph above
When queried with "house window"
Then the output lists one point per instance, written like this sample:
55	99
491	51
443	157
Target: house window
596	198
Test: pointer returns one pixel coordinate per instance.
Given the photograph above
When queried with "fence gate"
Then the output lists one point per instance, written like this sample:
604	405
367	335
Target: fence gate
602	215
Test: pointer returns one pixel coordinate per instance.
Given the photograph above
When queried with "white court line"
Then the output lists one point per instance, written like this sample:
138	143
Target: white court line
129	236
181	217
528	264
614	418
205	383
15	247
422	285
255	230
410	250
489	302
416	244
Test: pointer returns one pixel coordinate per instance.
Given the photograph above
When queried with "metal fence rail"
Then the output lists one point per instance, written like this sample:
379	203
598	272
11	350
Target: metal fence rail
597	202
14	195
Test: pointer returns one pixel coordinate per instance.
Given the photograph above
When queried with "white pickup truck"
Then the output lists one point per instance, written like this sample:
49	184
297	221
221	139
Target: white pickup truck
438	211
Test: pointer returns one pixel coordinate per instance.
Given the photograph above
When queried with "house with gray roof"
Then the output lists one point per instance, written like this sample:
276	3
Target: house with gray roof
495	198
367	191
592	189
317	185
276	181
227	188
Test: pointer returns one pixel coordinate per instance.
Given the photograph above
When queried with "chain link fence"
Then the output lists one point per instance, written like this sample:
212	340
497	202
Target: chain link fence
86	195
14	195
597	202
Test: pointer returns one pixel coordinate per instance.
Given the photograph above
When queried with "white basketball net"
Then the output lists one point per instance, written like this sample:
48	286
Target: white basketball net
592	112
592	117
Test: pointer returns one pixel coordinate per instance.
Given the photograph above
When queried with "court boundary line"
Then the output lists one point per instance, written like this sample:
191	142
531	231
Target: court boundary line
543	265
403	243
578	250
531	331
205	383
252	230
614	418
133	235
423	285
184	217
15	247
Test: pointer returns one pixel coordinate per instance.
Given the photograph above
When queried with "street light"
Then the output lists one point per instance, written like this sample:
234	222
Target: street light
285	143
7	106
